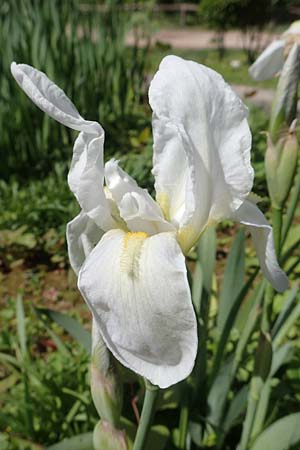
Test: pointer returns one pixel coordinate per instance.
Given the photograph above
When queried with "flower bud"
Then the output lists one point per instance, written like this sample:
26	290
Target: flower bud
284	106
106	388
107	437
281	163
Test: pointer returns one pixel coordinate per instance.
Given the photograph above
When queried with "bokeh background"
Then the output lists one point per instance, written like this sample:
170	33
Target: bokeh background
103	54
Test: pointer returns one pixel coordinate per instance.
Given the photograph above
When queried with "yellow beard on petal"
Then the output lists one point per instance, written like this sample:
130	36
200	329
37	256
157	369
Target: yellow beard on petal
131	250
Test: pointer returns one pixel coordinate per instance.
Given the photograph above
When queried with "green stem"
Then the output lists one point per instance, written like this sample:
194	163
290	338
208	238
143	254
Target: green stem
146	417
183	425
277	226
267	308
295	194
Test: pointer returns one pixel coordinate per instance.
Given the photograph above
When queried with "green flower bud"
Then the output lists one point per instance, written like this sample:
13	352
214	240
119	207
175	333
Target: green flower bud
281	164
107	437
106	388
284	106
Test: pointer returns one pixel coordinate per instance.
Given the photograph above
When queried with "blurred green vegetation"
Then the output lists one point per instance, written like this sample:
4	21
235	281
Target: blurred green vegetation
44	380
86	55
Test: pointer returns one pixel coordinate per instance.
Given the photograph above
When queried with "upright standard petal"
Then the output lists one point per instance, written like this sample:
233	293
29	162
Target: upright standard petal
198	119
137	207
136	287
249	214
269	62
51	99
82	236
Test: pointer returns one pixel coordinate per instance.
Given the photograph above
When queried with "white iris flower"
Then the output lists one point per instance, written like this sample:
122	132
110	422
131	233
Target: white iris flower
128	249
272	58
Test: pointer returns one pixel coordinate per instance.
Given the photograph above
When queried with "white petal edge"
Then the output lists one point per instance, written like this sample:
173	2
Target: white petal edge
262	234
86	177
142	304
294	28
269	62
137	207
82	236
51	99
193	106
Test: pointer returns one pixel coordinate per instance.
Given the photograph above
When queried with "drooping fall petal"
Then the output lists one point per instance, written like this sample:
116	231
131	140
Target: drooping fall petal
51	99
136	287
86	173
262	234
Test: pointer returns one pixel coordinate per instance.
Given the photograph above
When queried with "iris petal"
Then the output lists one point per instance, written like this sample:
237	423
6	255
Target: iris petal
136	286
262	234
269	62
202	144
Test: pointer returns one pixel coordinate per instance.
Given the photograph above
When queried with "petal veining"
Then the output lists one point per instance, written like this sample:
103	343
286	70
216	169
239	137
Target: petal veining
136	286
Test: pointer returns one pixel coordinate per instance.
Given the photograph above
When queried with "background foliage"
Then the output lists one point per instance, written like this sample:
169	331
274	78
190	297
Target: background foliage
44	358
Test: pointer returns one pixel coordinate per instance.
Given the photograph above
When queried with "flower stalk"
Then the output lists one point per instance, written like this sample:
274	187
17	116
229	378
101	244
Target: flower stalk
107	394
148	411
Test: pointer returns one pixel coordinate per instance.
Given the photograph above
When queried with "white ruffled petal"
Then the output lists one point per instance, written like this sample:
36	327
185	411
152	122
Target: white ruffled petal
137	207
86	173
262	234
269	62
51	99
137	289
202	144
82	236
86	178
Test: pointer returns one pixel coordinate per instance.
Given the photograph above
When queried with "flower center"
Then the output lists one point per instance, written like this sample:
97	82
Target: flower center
131	251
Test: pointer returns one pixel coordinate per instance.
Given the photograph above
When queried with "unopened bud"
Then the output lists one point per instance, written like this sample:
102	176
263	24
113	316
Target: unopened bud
106	388
281	163
284	105
107	437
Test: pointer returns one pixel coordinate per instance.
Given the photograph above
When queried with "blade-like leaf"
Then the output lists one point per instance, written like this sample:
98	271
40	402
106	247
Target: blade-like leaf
21	327
218	393
158	435
231	317
288	323
281	435
81	442
280	357
72	326
233	279
236	408
285	312
262	367
197	286
206	251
